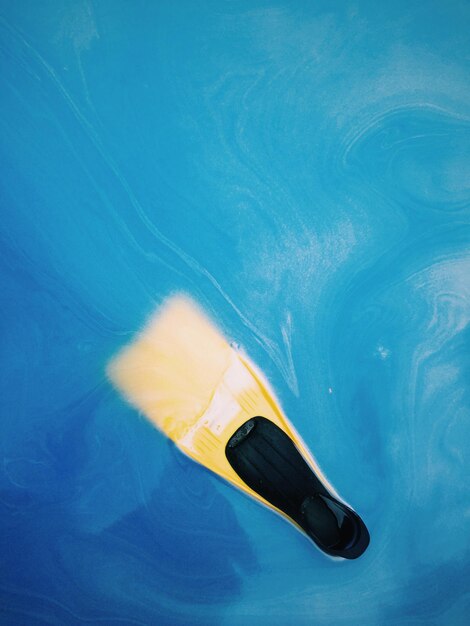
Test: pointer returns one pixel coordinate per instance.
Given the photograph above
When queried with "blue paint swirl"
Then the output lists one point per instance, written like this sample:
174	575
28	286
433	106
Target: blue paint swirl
302	170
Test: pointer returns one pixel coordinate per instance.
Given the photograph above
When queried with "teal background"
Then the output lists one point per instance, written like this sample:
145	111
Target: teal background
301	169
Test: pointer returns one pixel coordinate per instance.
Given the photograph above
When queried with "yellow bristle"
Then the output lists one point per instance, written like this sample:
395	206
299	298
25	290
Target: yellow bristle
171	370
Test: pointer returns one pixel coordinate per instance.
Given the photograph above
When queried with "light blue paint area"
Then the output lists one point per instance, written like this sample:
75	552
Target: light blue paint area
302	169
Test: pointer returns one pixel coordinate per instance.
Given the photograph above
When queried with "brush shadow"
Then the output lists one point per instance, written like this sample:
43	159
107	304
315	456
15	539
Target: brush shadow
188	537
178	558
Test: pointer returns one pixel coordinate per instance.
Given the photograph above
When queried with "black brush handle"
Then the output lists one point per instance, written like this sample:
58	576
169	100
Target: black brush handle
268	461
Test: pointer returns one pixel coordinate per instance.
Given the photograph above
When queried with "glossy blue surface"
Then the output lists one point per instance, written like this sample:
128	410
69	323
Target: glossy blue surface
302	169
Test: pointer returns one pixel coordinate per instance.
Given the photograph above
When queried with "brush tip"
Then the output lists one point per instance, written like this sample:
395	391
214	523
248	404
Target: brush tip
171	369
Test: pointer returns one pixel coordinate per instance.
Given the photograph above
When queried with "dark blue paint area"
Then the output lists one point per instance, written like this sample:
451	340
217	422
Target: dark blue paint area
302	170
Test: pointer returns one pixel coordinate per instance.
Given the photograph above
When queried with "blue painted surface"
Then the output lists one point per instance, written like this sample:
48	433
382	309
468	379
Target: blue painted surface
302	170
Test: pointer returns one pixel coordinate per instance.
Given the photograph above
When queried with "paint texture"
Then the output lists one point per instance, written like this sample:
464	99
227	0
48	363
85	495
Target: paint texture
301	169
